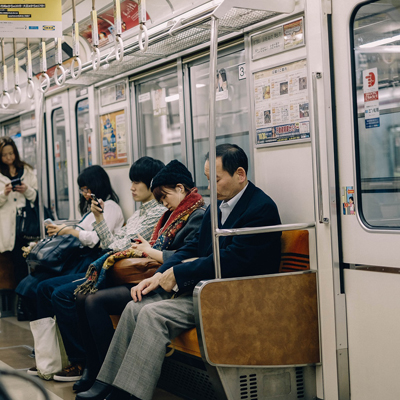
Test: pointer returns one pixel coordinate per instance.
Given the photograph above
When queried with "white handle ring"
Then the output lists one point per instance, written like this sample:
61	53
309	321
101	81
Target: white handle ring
79	62
17	94
146	38
61	81
96	59
30	89
46	79
8	97
119	49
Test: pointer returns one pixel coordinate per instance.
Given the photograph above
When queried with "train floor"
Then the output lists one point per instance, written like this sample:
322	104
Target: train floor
16	343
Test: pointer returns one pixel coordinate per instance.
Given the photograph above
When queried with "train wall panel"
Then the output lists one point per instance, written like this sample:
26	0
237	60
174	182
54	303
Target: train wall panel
373	303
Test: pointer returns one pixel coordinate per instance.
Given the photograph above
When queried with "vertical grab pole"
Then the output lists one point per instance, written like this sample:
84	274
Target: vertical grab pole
212	140
39	117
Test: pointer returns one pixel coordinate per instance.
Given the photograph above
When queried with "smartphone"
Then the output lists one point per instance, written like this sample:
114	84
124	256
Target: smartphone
15	182
48	221
97	200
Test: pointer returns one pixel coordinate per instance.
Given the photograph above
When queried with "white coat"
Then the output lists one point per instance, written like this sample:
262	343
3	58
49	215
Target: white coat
9	205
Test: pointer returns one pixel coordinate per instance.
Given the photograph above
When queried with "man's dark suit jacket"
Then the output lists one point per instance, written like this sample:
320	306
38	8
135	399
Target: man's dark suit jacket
240	255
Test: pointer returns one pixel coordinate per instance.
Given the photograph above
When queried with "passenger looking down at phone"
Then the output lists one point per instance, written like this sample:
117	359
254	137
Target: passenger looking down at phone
149	322
93	179
55	297
173	186
18	183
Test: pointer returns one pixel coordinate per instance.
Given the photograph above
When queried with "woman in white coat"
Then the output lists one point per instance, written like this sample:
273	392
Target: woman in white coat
12	198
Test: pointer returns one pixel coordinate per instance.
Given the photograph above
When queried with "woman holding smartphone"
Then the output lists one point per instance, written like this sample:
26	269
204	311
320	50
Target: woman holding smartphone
18	183
92	180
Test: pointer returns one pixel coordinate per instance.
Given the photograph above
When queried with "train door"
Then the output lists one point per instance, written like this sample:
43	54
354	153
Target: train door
60	156
366	65
81	105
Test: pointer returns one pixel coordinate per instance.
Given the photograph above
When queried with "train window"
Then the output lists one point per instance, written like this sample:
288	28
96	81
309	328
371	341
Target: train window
29	146
60	164
83	134
376	72
158	118
232	110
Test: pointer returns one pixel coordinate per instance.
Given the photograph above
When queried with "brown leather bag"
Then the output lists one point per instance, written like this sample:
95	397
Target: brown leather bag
132	270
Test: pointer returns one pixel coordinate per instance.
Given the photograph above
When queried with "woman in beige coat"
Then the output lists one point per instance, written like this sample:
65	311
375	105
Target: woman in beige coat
12	198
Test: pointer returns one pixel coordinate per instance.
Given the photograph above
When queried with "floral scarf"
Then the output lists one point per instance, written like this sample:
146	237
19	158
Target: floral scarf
163	236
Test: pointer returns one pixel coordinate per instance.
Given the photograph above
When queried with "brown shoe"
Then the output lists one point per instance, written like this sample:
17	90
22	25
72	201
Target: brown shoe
71	373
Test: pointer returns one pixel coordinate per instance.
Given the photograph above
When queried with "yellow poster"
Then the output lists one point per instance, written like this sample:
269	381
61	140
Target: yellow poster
113	138
30	18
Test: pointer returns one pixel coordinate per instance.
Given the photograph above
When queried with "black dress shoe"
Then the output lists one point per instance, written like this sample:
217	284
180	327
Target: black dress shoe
85	383
98	391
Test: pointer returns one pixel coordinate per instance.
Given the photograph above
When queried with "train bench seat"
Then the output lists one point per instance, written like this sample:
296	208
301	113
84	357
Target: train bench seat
244	335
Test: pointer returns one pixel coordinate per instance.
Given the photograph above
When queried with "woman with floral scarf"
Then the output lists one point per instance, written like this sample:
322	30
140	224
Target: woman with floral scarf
174	187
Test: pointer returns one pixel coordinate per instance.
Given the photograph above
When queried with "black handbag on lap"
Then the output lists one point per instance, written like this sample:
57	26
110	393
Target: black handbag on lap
52	254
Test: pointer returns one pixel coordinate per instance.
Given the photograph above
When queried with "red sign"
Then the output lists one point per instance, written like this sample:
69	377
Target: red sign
371	79
371	96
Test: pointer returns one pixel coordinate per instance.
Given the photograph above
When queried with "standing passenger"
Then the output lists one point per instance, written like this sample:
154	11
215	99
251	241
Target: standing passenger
12	199
149	322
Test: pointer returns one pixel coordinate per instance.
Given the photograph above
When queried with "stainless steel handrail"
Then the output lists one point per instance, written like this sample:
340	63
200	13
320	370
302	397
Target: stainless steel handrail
39	116
264	229
212	153
321	218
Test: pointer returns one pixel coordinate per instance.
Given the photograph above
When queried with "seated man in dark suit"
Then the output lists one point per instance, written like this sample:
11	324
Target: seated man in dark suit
149	322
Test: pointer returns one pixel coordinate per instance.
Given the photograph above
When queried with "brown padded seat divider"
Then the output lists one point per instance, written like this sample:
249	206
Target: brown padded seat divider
268	321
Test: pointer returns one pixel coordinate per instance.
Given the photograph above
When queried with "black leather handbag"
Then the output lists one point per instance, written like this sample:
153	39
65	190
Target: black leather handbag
53	254
28	221
28	225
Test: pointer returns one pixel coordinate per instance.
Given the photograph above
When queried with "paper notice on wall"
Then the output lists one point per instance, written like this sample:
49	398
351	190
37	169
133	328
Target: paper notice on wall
371	98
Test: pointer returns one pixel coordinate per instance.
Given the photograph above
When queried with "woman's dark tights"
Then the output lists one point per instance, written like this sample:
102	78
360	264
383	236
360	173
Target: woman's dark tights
96	327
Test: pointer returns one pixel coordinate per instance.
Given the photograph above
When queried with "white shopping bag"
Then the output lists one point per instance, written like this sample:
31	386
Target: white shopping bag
50	353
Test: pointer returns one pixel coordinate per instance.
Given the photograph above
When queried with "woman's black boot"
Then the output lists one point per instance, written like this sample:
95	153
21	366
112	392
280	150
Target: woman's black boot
86	382
98	391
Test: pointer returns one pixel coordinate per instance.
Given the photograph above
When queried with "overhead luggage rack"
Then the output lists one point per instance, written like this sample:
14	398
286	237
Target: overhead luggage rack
173	38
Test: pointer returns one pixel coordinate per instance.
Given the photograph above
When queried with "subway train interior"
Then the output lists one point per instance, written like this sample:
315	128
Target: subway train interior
130	78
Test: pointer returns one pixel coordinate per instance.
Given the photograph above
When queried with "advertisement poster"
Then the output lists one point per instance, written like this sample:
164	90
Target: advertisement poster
278	39
348	200
33	19
222	85
113	138
293	34
281	103
112	94
371	98
105	22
